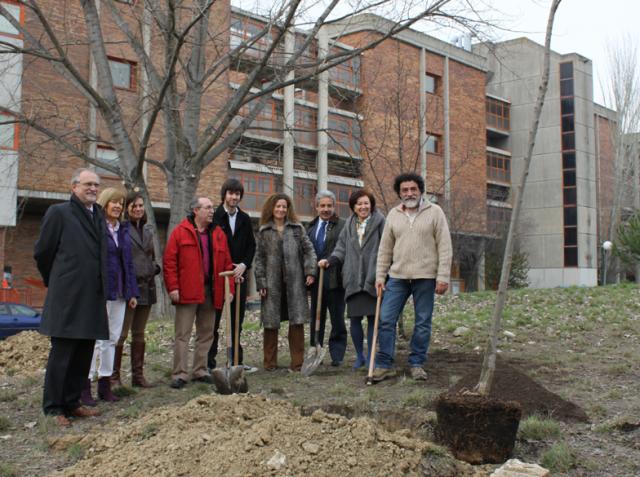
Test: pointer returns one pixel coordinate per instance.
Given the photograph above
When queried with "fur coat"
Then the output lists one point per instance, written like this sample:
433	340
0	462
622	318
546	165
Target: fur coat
284	269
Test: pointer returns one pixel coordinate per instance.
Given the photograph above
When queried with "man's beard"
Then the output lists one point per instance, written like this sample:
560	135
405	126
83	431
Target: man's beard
410	203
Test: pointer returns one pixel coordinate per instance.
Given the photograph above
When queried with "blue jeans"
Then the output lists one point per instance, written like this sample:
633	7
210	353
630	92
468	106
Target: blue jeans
397	291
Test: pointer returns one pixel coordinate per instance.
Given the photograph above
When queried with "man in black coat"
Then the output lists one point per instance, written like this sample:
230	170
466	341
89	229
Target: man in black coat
323	232
236	224
71	255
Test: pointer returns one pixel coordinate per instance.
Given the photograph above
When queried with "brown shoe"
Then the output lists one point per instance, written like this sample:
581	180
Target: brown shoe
115	376
84	412
62	420
137	366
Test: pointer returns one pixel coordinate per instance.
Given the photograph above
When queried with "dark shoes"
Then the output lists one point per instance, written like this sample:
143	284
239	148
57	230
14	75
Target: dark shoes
336	364
104	390
178	383
84	412
360	362
204	379
85	396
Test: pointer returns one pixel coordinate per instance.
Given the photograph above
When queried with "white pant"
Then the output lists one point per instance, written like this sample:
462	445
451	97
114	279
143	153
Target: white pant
106	349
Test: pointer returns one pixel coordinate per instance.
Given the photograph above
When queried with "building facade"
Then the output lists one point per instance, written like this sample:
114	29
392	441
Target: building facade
460	117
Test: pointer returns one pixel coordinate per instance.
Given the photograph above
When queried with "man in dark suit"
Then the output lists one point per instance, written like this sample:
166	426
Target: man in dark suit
71	255
323	232
236	224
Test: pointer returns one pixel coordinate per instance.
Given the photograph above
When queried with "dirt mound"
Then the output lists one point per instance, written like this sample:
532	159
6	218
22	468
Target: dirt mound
24	353
510	384
254	436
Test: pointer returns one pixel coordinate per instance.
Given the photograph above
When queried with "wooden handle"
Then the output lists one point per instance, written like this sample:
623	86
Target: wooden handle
319	303
372	348
236	341
226	274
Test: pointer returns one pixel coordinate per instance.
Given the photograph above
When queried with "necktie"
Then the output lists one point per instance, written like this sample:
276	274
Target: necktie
321	236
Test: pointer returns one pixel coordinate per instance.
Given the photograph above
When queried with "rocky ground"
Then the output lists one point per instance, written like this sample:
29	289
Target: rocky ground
579	345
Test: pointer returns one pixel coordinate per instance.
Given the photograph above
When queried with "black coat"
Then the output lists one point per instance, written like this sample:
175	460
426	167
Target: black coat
242	243
71	255
333	275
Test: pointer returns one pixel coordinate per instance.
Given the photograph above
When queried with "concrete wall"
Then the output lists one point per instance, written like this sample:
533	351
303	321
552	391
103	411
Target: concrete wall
516	67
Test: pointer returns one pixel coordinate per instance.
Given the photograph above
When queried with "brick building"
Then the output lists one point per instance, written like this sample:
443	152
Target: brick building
412	103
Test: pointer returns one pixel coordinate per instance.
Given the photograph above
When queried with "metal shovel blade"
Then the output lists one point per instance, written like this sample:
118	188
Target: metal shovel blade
230	380
312	360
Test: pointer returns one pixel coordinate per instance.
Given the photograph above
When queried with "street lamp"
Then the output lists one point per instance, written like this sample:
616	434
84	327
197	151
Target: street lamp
606	248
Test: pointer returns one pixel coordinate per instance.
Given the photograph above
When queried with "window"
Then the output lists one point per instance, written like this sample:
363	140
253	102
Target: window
342	192
498	113
347	72
344	134
497	192
431	83
109	156
257	187
22	310
123	74
432	144
243	30
16	12
497	217
8	130
569	189
306	126
498	167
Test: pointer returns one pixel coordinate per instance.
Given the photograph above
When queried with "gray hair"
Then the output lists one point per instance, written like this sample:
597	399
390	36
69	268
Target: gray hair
325	194
194	204
75	178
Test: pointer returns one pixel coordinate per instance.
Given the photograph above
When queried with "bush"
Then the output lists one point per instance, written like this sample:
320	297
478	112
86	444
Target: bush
558	458
537	429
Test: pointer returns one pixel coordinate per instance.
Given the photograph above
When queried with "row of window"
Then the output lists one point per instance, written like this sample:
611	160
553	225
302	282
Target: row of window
569	186
258	186
344	132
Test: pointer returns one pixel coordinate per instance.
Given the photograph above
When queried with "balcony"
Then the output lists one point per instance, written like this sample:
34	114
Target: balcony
344	135
498	117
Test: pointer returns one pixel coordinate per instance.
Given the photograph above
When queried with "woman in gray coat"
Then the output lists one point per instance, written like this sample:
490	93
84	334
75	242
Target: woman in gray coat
285	265
357	252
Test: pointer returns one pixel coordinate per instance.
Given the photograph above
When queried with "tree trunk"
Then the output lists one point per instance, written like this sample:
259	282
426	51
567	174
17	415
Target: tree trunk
489	362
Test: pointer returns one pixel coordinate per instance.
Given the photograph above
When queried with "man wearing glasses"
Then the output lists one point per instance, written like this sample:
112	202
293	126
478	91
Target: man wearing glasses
195	255
71	254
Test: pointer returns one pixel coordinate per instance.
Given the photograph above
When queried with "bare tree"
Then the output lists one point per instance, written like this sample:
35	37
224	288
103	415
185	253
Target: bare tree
622	94
185	109
489	362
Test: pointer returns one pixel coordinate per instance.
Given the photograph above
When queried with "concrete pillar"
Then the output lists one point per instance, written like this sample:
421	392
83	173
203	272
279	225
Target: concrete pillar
289	121
323	114
447	142
423	115
93	112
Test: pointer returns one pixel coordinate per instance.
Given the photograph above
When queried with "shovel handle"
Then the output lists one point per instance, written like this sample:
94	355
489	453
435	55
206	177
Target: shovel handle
236	338
374	344
228	273
227	312
319	306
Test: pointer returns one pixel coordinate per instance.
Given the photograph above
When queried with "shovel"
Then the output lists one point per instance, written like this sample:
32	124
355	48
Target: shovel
374	344
315	355
229	380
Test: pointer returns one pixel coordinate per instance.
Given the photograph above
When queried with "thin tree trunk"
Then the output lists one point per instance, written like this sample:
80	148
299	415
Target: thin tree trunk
489	364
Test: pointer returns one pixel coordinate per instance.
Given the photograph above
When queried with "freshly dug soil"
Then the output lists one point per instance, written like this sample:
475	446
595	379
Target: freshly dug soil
24	353
477	429
245	435
510	384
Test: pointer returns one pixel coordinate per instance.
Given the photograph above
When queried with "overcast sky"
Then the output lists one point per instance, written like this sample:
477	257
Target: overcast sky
587	27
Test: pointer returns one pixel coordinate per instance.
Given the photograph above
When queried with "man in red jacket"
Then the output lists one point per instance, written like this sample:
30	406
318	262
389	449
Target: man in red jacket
194	256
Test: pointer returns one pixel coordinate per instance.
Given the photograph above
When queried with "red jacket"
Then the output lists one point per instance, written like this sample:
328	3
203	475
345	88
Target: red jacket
183	264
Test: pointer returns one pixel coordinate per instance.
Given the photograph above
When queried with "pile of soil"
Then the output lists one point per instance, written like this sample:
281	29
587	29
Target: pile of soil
254	436
24	353
511	384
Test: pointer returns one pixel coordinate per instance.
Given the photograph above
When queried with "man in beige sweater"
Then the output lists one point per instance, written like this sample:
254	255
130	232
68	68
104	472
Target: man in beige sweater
415	252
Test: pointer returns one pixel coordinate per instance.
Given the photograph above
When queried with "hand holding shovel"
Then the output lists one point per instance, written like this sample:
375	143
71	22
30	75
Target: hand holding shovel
230	380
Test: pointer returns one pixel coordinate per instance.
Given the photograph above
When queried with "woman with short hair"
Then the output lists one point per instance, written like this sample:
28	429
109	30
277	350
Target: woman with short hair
285	265
122	290
357	252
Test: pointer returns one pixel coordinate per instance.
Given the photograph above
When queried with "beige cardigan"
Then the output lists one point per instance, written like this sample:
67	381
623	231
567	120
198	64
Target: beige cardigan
418	250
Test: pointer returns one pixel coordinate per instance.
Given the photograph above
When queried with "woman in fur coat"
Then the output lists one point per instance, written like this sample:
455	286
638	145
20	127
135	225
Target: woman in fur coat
285	265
